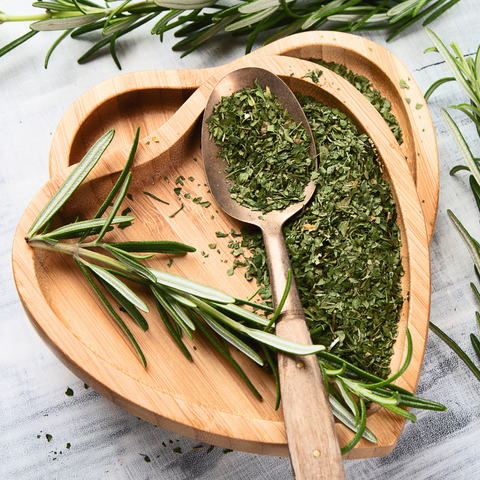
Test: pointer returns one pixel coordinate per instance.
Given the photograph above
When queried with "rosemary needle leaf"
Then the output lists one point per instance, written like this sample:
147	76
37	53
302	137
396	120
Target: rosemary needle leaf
437	84
173	312
17	42
439	12
242	313
189	286
463	356
130	308
458	168
340	412
462	145
117	284
234	364
116	206
160	246
55	44
121	178
112	312
74	230
172	330
475	343
66	22
274	369
126	258
351	404
232	339
467	239
361	428
71	183
282	300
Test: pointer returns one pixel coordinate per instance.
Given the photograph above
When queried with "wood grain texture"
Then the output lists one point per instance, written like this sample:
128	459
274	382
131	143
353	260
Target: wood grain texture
150	98
202	399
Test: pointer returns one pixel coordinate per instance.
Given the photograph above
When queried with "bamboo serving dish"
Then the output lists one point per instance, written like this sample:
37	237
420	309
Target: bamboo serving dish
203	399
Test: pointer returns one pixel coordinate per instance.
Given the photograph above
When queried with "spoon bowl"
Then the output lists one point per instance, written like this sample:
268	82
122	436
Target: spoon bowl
309	424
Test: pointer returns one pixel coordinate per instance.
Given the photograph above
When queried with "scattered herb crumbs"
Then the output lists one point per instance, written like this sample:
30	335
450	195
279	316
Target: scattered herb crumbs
266	152
194	347
145	457
85	386
129	196
123	226
38	436
404	84
197	200
178	450
210	448
170	441
198	447
408	100
191	179
177	190
155	197
212	217
212	245
205	204
221	234
163	443
314	75
176	211
227	450
233	233
195	159
418	106
230	271
187	196
166	179
68	446
170	263
148	142
69	392
126	212
48	437
218	251
179	180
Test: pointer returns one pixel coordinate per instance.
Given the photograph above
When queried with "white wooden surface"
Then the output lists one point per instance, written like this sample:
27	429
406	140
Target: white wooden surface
109	443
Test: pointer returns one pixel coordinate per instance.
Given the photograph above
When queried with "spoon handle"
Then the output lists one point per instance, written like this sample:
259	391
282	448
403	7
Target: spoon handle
311	433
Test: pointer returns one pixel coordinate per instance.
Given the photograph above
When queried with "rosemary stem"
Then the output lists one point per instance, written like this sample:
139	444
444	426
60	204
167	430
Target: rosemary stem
5	17
80	251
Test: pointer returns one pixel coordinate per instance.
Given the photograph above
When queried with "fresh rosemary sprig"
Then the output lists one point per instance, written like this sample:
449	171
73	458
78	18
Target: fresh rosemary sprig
466	72
185	306
197	21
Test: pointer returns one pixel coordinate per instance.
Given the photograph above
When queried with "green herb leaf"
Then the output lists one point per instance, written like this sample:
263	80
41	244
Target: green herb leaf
72	182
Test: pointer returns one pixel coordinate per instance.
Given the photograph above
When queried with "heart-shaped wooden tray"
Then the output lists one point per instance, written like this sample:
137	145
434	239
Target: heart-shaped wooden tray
202	399
150	98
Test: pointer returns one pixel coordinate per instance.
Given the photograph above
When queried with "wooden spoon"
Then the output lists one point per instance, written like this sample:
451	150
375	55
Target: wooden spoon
311	433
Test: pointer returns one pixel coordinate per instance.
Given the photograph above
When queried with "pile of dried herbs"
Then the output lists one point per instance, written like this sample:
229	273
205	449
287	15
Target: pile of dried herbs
365	87
344	247
265	150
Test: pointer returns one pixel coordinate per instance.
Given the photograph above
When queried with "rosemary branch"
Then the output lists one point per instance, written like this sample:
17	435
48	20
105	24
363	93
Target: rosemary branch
197	21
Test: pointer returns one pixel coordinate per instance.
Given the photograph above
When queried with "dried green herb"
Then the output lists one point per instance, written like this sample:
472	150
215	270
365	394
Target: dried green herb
69	392
266	152
344	247
364	86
